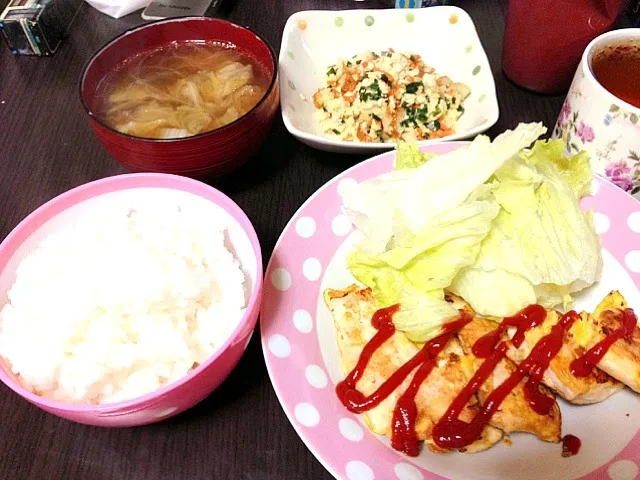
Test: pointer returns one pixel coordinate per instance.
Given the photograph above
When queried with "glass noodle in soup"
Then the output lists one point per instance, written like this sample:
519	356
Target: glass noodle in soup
181	89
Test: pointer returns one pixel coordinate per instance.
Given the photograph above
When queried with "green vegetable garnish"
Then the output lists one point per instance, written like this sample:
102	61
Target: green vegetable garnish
410	156
415	116
371	92
413	87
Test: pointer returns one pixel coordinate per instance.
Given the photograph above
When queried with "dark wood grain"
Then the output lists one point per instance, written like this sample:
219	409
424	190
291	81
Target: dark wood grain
47	147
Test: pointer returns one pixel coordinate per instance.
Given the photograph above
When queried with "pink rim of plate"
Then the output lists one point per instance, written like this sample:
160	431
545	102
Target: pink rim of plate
103	186
290	342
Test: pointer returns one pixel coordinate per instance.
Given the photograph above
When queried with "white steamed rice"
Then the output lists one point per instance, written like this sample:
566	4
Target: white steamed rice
120	307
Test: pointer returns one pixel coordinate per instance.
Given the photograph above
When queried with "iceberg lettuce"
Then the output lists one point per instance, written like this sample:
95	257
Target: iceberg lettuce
540	235
496	223
410	156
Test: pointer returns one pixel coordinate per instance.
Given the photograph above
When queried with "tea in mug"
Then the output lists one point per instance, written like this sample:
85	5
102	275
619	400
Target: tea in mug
617	68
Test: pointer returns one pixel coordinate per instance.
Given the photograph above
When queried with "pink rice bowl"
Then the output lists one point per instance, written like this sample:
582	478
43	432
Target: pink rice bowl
198	383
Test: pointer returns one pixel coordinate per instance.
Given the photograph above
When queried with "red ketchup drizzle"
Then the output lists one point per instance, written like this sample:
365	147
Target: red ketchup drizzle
405	413
346	389
403	436
570	445
526	319
450	432
582	366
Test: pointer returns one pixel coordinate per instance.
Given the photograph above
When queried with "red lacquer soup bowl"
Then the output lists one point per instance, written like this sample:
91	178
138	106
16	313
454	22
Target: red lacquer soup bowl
212	153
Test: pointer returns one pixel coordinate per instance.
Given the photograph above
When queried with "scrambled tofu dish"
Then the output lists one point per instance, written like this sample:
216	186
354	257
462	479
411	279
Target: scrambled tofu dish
388	97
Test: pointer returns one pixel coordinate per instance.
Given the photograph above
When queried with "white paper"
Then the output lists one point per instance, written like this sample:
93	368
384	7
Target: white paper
118	8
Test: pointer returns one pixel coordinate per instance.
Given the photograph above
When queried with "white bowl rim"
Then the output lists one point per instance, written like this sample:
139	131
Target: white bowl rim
356	147
605	39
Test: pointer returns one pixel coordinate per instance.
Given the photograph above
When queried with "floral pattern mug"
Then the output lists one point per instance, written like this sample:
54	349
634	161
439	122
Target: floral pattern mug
594	120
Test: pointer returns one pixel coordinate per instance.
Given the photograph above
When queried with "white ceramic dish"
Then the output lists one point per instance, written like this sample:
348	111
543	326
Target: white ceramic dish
444	36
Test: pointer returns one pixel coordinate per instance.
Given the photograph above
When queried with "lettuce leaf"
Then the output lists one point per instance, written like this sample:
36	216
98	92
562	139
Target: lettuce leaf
493	222
445	182
415	273
495	293
432	257
387	283
369	206
421	315
448	243
410	156
575	170
422	193
542	247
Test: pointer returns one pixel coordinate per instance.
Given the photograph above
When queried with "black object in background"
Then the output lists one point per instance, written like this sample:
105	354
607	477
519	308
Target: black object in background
37	27
159	9
630	17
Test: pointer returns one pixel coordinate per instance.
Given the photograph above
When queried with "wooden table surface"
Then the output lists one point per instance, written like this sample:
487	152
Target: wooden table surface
47	147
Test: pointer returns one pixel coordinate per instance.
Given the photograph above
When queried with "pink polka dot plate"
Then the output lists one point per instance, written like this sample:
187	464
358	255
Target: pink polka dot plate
298	339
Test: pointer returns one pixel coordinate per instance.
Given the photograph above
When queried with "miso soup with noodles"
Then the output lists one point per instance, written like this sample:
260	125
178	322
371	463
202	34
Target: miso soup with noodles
180	90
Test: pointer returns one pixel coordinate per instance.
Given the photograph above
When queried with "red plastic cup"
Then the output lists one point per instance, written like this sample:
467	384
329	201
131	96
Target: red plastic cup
543	41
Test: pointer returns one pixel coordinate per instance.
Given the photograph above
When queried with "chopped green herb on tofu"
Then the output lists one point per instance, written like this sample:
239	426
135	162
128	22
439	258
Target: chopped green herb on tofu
387	96
413	87
370	92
